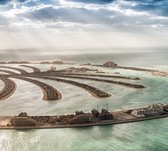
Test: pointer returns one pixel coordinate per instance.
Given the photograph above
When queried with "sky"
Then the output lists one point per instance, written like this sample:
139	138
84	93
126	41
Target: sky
79	25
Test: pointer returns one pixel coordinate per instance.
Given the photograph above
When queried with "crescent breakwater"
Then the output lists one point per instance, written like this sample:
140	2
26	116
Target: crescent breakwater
81	119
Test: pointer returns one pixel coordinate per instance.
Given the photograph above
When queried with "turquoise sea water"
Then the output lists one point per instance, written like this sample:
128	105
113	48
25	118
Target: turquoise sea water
141	136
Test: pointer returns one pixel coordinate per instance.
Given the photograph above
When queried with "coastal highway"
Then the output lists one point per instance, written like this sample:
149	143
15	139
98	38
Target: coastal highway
137	86
35	69
9	88
49	93
17	69
92	90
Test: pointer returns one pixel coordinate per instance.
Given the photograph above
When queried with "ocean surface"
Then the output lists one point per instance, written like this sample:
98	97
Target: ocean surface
141	136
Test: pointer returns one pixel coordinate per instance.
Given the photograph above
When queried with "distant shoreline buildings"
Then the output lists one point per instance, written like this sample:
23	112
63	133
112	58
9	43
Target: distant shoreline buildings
110	64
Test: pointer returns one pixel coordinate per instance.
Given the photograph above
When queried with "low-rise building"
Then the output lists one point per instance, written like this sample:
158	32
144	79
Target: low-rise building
138	113
155	109
57	62
23	121
105	115
95	113
81	119
52	69
165	108
110	64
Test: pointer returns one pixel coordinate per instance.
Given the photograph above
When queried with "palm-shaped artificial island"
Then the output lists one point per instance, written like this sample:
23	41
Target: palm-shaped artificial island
50	93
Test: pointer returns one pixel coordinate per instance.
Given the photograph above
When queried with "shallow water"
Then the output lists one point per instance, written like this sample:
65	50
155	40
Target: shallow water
146	135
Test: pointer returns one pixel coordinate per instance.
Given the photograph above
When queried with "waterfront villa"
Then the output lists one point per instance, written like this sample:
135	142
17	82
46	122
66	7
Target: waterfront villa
155	109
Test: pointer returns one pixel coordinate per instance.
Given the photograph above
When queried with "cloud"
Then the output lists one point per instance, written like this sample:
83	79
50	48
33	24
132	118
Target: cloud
22	1
158	7
128	15
66	14
3	20
3	2
93	1
83	23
